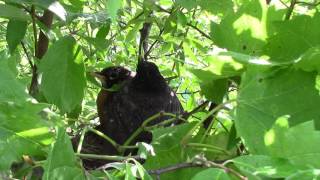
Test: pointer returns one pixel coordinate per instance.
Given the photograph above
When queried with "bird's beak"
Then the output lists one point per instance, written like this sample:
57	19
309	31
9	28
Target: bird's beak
99	76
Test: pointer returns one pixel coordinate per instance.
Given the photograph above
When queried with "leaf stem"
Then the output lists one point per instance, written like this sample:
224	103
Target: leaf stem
110	140
106	157
81	139
144	125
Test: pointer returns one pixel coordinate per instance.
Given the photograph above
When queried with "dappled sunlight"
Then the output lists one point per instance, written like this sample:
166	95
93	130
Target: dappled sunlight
247	22
270	136
41	134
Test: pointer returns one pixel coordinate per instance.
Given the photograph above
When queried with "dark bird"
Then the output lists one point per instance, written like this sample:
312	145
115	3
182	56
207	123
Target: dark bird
122	112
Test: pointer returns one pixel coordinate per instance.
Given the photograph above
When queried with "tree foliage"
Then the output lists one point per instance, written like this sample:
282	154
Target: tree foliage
245	71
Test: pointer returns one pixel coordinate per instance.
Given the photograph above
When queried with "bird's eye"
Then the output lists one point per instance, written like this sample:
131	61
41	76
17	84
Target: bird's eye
113	76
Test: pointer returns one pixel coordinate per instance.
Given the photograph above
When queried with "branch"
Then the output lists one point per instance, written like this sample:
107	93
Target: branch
144	35
200	31
41	46
290	9
111	141
154	43
144	125
27	54
198	161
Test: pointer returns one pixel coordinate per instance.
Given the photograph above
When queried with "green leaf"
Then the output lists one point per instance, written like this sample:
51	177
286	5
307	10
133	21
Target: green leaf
305	175
253	60
22	130
247	29
16	31
188	4
132	34
216	7
298	35
211	173
113	6
11	12
215	90
260	165
309	61
62	162
10	89
170	25
266	95
297	143
168	151
53	5
219	67
103	31
63	74
182	19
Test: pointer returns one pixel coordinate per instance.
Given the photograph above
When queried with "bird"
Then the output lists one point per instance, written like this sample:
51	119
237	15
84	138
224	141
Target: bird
121	112
142	96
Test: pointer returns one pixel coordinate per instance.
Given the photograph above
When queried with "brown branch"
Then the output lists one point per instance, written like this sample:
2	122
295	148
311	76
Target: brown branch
27	55
34	27
199	30
41	47
144	35
199	161
154	43
290	9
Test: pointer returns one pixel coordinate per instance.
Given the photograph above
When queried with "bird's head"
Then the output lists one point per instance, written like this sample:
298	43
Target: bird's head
148	70
113	75
149	78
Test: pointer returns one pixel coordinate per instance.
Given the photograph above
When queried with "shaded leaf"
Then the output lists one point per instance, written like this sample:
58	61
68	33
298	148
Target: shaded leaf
260	165
211	173
63	75
298	35
188	4
297	143
266	95
11	12
113	6
15	33
22	130
61	162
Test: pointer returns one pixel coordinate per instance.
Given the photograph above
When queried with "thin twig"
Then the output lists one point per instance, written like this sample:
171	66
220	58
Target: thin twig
199	30
283	3
34	27
144	125
27	54
197	162
154	43
110	140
